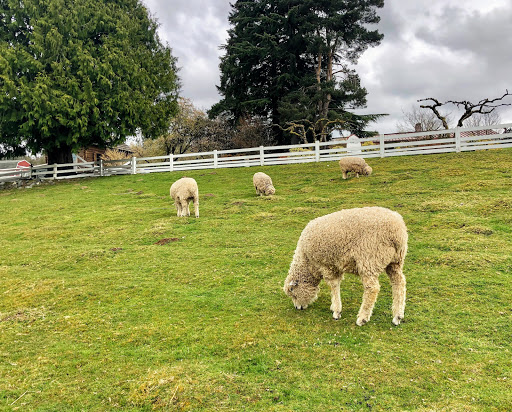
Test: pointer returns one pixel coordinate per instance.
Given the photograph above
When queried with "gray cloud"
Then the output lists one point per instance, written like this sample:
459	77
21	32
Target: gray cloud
438	50
431	48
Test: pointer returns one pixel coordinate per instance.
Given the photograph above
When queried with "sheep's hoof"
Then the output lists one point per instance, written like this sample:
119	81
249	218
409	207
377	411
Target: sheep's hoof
336	315
397	320
361	321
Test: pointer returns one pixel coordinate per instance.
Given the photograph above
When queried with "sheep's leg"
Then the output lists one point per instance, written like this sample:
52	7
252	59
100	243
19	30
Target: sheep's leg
344	175
184	208
177	204
371	290
335	297
397	278
196	206
357	175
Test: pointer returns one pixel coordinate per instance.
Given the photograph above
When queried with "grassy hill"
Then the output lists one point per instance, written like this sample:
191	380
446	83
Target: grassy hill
109	301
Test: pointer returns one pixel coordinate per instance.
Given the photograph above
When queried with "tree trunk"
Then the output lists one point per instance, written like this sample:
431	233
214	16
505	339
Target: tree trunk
60	155
319	82
326	100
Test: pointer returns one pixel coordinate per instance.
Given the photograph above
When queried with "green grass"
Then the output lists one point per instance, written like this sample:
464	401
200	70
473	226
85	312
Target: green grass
99	312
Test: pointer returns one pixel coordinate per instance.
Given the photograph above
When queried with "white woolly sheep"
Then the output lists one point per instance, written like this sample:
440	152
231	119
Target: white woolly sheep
354	164
184	191
364	241
263	184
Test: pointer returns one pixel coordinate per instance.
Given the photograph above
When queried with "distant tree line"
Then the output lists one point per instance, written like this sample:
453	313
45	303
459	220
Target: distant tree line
79	73
192	131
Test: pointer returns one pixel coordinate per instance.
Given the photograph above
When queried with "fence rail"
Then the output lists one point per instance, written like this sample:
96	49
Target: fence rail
406	144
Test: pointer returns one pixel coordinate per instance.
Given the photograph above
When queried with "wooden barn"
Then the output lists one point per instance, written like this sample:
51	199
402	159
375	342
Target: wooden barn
93	153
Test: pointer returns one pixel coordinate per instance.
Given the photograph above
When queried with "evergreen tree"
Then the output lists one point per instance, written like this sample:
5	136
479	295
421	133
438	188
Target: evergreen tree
263	60
338	34
289	59
80	73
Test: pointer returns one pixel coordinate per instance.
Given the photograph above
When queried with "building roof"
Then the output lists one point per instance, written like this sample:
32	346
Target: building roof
124	148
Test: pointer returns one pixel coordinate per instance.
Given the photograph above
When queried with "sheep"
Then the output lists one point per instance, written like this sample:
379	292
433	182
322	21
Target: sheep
263	184
354	164
184	191
364	241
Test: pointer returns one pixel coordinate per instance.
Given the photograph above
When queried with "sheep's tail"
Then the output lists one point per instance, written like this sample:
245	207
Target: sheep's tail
401	245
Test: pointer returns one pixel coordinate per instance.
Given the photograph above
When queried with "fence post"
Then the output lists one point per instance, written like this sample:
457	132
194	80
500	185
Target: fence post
317	151
457	139
262	156
171	163
134	165
54	171
381	145
101	167
215	159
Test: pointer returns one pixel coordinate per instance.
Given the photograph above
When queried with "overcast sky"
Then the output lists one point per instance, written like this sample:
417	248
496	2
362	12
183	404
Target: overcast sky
446	49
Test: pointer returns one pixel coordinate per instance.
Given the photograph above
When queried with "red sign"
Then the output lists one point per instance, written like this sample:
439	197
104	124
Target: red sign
22	164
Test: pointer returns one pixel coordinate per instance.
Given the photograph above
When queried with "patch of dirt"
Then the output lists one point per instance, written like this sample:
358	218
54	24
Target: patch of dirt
481	231
167	240
23	315
19	315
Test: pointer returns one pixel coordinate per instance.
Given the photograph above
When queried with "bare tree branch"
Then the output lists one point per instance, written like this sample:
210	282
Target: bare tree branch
434	107
484	106
321	128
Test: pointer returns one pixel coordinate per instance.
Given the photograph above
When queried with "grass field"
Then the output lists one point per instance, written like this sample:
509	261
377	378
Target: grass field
108	301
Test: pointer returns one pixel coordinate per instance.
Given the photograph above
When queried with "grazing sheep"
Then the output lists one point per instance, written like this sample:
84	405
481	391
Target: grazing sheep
354	164
184	191
263	184
364	241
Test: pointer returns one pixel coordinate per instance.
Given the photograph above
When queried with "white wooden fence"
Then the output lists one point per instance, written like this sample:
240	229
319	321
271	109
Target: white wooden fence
442	141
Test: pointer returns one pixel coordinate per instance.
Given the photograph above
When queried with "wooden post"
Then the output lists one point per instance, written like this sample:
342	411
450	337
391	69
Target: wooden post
262	156
134	165
381	145
457	139
54	171
171	163
101	167
317	151
215	159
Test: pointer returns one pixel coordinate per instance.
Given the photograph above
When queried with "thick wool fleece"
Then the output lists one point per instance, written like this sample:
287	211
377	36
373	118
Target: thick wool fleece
354	164
364	241
184	191
263	184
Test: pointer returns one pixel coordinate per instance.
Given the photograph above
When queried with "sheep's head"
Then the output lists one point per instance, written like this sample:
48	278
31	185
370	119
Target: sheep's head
302	293
270	190
368	170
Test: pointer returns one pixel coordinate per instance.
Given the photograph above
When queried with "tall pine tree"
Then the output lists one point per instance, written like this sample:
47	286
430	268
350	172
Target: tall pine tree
264	60
288	60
